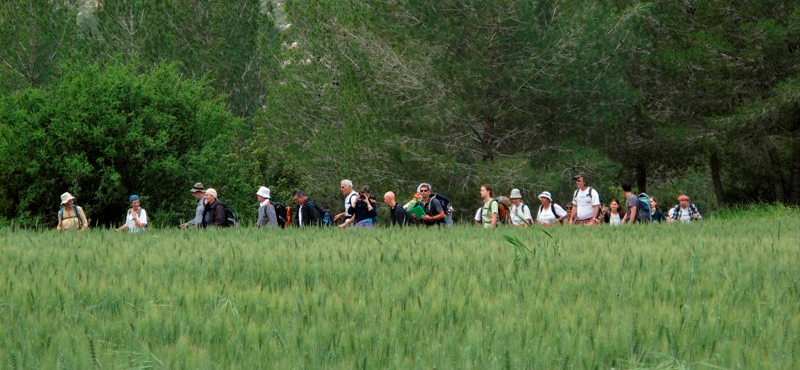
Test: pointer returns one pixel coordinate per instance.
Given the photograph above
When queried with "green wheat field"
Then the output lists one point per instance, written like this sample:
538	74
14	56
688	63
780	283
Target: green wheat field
720	294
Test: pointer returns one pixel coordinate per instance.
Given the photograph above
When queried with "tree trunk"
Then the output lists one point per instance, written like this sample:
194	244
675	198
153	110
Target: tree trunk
795	197
641	177
716	163
777	174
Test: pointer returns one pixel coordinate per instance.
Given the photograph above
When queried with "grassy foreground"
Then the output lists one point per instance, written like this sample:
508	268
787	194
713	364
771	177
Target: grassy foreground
724	293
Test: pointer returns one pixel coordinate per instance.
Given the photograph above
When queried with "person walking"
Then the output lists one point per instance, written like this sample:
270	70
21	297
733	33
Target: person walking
684	211
434	211
198	192
657	215
616	215
136	218
549	213
266	211
586	202
214	214
364	213
71	216
308	212
520	212
398	214
489	212
631	204
350	198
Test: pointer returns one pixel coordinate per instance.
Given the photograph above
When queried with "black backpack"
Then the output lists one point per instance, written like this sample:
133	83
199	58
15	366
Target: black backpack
325	218
443	200
230	216
282	212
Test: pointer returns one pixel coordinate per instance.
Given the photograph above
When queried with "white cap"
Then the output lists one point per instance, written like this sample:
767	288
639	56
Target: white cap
212	192
263	191
546	194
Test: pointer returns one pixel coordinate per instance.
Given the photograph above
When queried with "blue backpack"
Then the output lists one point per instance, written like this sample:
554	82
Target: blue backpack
643	209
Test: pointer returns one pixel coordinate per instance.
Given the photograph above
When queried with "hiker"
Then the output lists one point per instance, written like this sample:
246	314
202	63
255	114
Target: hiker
71	216
198	192
266	211
549	212
364	213
684	211
657	215
350	197
586	203
434	211
631	204
489	214
308	212
136	218
616	214
520	212
214	213
397	213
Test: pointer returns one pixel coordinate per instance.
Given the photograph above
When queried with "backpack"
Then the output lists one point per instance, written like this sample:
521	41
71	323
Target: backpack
448	209
77	213
589	189
503	209
325	216
283	213
230	216
643	208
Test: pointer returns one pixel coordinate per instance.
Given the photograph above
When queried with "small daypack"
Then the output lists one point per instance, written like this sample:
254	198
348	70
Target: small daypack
643	208
77	213
230	217
503	207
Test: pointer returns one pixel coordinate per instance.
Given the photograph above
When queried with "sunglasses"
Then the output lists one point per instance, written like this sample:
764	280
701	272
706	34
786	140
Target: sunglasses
424	191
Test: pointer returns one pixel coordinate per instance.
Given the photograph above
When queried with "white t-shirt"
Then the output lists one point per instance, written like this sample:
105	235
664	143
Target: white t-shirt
686	215
614	219
523	211
132	225
546	216
585	202
349	201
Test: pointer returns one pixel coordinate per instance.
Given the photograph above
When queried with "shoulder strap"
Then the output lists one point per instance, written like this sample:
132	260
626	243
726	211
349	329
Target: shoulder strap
77	212
553	209
61	214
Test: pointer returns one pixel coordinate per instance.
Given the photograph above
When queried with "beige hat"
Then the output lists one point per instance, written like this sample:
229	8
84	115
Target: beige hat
66	197
263	191
198	187
212	193
515	194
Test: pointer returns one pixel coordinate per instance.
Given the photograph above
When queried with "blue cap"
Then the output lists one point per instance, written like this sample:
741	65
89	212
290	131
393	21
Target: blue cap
133	197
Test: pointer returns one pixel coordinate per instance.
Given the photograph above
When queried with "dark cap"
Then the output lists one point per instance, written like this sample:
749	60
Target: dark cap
197	187
583	175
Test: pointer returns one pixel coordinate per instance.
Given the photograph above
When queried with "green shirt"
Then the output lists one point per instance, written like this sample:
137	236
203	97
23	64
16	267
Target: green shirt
489	208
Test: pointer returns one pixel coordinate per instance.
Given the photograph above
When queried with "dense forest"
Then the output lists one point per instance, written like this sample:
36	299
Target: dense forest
108	98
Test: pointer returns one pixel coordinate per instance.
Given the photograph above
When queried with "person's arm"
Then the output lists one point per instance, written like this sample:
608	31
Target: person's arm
125	224
494	209
60	227
84	221
197	221
140	220
262	217
219	216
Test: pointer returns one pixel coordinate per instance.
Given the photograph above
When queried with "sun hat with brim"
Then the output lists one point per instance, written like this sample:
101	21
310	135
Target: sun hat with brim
683	197
546	194
198	187
212	193
66	197
263	191
133	197
515	194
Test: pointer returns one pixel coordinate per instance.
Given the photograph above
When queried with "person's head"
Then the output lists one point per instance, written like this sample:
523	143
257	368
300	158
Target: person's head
67	200
626	187
365	192
516	197
604	210
299	197
390	199
653	204
198	190
568	207
614	205
134	200
545	198
424	190
211	196
346	186
580	181
683	200
486	191
262	193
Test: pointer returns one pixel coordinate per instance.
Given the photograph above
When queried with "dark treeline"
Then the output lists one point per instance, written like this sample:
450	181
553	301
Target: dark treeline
108	98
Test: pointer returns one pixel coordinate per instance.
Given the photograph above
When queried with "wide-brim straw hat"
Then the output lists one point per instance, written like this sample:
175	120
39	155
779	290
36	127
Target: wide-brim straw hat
66	197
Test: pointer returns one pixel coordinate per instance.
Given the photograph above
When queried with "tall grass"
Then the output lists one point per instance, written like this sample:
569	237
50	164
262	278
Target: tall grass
724	293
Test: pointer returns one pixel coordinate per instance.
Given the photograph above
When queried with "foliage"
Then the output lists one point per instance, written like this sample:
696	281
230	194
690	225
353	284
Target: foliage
104	133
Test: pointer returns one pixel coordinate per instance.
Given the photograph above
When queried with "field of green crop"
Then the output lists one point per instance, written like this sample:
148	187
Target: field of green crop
721	294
